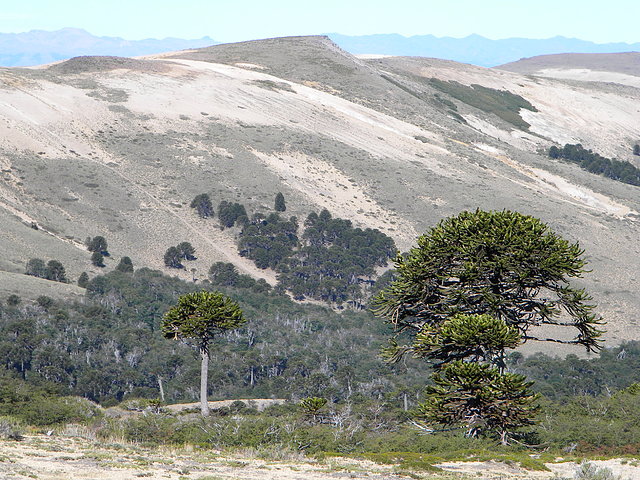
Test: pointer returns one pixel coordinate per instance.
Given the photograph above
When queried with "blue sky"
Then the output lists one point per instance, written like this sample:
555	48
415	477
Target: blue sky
227	21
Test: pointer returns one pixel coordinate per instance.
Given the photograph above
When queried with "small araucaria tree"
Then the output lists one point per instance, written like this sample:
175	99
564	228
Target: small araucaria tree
202	204
476	285
198	318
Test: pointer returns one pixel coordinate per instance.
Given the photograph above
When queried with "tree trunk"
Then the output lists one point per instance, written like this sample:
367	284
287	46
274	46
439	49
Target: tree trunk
204	374
161	388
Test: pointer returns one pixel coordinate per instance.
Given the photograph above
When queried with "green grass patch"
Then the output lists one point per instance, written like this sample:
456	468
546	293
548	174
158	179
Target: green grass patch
427	461
501	103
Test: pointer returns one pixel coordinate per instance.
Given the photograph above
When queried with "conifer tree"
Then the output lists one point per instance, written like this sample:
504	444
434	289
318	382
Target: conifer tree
202	204
186	251
172	258
125	265
280	205
55	271
198	318
98	244
83	280
36	267
475	286
97	259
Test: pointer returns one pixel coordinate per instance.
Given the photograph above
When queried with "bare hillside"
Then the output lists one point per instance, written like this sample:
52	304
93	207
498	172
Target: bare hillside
627	63
119	147
620	68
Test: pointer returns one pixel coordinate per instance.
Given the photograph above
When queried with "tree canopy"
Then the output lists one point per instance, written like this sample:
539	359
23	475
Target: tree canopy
202	204
504	264
125	265
279	204
98	244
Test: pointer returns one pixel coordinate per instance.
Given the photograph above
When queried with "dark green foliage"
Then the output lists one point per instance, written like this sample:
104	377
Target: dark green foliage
229	212
41	405
501	103
280	205
97	259
199	317
226	274
334	262
636	149
45	302
473	288
172	258
36	268
98	244
508	265
83	280
268	241
556	378
621	171
186	251
312	405
605	425
13	300
55	271
125	265
478	338
479	398
109	347
202	204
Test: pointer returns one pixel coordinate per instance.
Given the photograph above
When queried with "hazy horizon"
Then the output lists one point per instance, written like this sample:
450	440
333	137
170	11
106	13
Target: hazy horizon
613	22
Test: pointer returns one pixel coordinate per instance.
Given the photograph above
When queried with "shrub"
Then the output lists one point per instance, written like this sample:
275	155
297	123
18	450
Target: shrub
83	280
11	428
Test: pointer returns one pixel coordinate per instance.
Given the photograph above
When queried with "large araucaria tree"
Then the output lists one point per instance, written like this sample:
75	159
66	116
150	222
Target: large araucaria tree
477	284
198	318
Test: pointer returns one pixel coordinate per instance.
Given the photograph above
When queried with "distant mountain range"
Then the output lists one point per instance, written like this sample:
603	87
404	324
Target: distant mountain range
38	47
474	49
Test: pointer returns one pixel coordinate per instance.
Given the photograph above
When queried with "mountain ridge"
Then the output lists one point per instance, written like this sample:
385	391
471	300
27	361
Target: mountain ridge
474	49
38	47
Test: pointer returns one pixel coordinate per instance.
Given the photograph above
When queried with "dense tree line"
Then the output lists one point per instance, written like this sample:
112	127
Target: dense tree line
332	261
109	346
595	163
268	241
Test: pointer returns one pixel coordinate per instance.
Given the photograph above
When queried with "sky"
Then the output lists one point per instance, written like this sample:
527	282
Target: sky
230	21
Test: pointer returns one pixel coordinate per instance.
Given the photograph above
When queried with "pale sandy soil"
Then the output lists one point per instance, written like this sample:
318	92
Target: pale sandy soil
75	458
258	403
586	75
80	457
622	469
